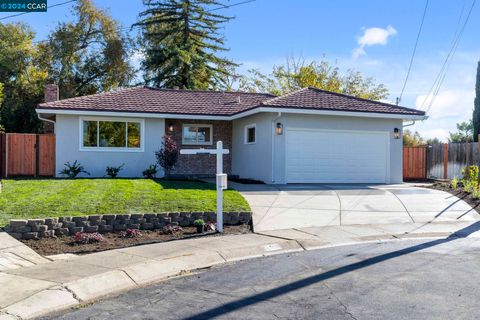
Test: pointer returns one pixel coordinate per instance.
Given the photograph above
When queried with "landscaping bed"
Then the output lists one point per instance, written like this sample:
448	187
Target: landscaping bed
66	244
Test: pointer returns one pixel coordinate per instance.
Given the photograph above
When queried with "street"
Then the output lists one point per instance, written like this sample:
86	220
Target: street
410	279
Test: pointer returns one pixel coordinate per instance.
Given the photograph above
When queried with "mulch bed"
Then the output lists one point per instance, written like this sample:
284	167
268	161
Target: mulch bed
460	193
64	244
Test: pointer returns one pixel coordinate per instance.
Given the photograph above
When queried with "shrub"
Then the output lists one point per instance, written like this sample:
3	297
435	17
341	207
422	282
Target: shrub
2	129
167	156
150	172
470	173
85	238
131	233
199	222
454	183
476	193
169	229
72	170
112	172
468	186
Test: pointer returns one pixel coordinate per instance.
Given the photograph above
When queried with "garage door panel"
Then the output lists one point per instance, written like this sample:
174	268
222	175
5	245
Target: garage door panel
336	156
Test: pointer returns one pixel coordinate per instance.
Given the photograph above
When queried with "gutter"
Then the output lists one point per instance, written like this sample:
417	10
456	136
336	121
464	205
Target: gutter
47	120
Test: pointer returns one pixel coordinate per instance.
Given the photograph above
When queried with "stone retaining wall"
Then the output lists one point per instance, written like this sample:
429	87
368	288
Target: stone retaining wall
41	228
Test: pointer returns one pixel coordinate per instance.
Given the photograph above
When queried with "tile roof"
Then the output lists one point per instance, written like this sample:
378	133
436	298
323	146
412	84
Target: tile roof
313	98
218	103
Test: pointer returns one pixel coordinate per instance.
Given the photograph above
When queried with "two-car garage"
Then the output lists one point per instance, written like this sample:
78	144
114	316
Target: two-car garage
336	156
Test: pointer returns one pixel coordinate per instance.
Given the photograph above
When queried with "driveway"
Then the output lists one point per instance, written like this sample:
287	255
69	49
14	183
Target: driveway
278	207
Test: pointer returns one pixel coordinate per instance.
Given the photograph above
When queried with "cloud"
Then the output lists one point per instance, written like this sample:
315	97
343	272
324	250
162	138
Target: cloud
449	104
371	37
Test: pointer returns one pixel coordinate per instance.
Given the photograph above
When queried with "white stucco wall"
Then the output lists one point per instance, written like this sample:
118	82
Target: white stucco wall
255	161
95	162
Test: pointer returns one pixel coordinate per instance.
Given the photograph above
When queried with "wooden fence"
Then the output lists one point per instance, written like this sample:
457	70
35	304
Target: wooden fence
27	155
414	163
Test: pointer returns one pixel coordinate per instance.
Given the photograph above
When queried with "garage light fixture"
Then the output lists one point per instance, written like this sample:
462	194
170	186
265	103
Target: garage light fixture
170	127
396	133
279	129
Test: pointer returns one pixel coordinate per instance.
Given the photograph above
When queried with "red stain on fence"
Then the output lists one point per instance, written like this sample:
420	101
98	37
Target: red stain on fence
414	162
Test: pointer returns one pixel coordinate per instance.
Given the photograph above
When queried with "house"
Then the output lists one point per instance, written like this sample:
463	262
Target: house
308	136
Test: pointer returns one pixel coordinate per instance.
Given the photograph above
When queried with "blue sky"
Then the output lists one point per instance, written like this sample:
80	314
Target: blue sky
375	37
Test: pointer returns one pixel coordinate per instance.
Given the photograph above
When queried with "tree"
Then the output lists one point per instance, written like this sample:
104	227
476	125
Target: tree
22	79
167	156
476	109
412	140
88	55
181	40
296	74
464	132
432	141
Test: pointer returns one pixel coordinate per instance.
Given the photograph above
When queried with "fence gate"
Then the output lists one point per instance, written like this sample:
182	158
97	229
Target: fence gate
27	154
414	162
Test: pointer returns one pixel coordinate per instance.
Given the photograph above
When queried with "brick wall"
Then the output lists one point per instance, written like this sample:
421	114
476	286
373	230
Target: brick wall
201	164
51	94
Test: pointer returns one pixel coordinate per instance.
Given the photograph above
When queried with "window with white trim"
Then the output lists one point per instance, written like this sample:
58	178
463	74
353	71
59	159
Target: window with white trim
197	134
111	134
250	134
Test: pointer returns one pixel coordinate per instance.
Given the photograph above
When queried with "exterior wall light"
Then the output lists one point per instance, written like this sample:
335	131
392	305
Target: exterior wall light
279	129
396	133
170	127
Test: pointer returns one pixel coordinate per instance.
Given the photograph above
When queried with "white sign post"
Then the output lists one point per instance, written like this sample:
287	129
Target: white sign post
221	178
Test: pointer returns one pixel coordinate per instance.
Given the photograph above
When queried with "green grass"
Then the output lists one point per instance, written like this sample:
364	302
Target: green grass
21	199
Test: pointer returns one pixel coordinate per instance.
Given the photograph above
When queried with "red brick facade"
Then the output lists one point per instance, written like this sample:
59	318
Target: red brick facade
51	94
201	164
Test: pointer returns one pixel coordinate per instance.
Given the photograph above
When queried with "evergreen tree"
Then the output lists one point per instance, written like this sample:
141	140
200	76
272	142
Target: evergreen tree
476	109
181	41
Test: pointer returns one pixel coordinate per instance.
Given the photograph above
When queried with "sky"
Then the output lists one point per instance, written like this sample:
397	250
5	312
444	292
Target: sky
375	37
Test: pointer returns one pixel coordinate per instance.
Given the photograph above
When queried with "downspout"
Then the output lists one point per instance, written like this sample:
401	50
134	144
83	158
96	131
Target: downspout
273	145
410	124
47	120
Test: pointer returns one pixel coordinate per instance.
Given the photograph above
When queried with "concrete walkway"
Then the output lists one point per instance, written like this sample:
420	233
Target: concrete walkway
277	207
41	289
14	254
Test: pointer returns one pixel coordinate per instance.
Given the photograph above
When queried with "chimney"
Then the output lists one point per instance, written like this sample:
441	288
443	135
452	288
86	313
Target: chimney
51	92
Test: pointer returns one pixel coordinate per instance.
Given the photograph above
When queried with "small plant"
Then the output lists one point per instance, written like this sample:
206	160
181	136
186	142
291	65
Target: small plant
210	226
169	229
150	172
85	238
112	172
200	224
470	173
167	156
454	183
72	170
476	193
468	186
131	233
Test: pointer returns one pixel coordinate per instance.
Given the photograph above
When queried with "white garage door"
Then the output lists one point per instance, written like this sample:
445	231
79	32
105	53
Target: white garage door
331	156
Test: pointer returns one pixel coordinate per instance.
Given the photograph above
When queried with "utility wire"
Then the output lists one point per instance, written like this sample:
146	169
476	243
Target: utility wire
441	76
413	53
49	7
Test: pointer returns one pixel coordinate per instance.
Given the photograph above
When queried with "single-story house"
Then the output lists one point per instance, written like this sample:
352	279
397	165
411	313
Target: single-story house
308	136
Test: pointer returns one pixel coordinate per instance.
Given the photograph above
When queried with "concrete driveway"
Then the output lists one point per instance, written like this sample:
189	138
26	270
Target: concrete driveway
278	207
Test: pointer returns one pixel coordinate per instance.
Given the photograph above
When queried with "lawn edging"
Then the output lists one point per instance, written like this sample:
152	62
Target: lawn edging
49	227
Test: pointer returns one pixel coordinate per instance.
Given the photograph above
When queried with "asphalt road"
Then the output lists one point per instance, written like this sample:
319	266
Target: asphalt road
421	279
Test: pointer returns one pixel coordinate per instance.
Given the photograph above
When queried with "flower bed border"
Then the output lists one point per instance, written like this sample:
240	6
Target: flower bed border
50	227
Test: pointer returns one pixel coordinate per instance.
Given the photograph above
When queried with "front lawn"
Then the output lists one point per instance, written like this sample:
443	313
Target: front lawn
23	199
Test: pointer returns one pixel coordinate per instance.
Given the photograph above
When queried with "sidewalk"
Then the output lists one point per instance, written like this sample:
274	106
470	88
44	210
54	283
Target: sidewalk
36	290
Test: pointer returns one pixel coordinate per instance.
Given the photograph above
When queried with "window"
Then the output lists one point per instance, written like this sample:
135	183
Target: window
197	134
112	135
250	134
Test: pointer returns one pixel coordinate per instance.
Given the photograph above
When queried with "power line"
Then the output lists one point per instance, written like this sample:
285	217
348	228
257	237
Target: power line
231	5
413	53
49	7
442	74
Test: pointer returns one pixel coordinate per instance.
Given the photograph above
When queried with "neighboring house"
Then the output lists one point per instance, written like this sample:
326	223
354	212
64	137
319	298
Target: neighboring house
310	135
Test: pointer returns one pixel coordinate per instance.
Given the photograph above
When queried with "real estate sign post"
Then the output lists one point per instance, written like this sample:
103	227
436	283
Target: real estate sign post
221	178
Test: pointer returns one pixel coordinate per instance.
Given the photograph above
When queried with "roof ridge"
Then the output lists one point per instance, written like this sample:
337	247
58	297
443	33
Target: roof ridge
362	99
210	91
284	96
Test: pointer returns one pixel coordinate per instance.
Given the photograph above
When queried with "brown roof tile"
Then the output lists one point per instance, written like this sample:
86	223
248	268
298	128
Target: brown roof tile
217	103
